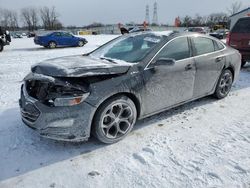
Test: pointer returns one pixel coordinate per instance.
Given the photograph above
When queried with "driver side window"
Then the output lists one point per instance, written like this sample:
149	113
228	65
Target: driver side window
177	49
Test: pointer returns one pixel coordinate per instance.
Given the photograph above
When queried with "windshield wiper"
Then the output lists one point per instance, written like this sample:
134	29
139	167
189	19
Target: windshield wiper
110	60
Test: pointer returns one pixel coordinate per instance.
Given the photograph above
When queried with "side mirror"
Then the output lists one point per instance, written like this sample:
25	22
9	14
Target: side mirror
164	62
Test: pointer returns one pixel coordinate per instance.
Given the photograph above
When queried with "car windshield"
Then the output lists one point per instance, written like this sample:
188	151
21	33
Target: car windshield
129	48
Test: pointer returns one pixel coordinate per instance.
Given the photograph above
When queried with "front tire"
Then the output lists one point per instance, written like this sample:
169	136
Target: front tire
114	119
80	43
52	45
224	84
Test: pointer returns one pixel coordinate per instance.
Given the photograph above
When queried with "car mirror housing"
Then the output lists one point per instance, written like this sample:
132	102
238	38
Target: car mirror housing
164	62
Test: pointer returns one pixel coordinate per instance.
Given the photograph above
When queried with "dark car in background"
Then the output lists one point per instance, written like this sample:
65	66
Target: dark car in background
131	77
138	29
31	34
134	29
16	35
59	39
220	33
239	38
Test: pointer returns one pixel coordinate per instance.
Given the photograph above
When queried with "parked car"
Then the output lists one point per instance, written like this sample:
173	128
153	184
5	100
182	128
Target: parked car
239	38
134	29
5	39
59	39
200	30
139	29
31	34
220	33
16	35
131	77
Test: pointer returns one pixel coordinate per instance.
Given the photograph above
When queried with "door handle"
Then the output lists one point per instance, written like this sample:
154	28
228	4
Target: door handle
219	59
188	67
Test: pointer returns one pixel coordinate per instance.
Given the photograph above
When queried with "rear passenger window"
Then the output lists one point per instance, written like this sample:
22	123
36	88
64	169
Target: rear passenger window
218	45
58	34
242	26
178	49
203	45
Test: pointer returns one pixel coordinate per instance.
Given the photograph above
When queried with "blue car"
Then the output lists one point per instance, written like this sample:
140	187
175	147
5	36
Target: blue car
59	39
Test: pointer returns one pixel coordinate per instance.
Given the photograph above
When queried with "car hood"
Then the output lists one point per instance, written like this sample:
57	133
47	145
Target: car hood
79	66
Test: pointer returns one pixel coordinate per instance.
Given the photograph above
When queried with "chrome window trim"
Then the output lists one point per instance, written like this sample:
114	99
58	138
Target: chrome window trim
147	66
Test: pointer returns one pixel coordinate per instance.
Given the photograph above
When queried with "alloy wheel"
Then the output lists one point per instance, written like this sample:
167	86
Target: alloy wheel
80	43
117	120
225	83
52	45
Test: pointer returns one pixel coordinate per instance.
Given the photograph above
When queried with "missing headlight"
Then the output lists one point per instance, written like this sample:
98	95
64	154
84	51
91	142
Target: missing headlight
59	92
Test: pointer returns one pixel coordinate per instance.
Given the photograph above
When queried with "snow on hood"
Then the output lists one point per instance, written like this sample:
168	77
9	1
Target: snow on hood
79	66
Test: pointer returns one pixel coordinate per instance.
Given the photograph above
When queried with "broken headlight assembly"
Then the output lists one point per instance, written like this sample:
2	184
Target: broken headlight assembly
58	93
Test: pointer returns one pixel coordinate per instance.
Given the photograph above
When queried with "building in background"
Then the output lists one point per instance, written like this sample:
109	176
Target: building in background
235	17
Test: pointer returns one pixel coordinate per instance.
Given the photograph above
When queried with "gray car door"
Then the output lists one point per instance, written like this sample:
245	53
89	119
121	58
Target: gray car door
168	85
209	62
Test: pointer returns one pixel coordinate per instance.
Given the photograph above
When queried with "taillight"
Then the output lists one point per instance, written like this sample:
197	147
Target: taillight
228	38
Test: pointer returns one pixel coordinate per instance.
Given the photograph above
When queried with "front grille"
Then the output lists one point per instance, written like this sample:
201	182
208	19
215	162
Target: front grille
30	112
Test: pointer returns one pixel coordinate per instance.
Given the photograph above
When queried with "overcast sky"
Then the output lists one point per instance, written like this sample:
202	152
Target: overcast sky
83	12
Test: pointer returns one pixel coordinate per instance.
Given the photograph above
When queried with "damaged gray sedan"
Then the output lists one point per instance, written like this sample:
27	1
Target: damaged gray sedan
131	77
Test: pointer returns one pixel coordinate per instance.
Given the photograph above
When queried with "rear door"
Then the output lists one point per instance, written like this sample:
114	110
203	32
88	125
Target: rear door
57	37
209	61
240	35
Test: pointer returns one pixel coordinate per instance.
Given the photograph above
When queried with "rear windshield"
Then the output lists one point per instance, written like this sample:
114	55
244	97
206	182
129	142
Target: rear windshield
242	26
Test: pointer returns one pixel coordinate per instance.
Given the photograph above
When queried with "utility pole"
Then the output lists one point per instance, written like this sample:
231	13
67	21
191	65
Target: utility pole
155	16
147	18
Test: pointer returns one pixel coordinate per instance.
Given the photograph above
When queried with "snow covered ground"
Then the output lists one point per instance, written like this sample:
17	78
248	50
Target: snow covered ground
205	143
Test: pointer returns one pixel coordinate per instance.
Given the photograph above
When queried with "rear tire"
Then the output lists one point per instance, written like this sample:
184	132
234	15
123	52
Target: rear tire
114	119
52	45
224	84
1	47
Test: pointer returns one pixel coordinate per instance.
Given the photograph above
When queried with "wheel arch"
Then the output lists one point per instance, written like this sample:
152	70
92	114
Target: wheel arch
231	68
52	41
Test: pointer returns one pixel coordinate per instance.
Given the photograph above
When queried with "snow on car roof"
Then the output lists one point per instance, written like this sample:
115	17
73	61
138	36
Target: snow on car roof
164	33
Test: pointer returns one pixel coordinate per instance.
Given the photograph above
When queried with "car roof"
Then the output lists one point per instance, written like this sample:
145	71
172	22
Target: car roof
164	33
173	34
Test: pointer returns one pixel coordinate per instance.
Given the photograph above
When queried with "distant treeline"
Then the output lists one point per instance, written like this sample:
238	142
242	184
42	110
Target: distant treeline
31	18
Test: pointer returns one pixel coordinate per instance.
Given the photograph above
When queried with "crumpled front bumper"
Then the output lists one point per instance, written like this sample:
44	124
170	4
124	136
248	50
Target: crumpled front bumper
67	123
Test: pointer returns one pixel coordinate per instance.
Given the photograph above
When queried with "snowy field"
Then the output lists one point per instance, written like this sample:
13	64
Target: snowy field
205	143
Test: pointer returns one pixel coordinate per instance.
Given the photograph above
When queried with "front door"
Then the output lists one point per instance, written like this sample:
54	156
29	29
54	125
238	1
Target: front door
168	85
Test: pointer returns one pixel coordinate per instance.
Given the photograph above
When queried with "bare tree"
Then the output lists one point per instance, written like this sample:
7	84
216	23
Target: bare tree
29	16
217	18
198	20
234	8
49	17
9	19
13	20
186	21
34	18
